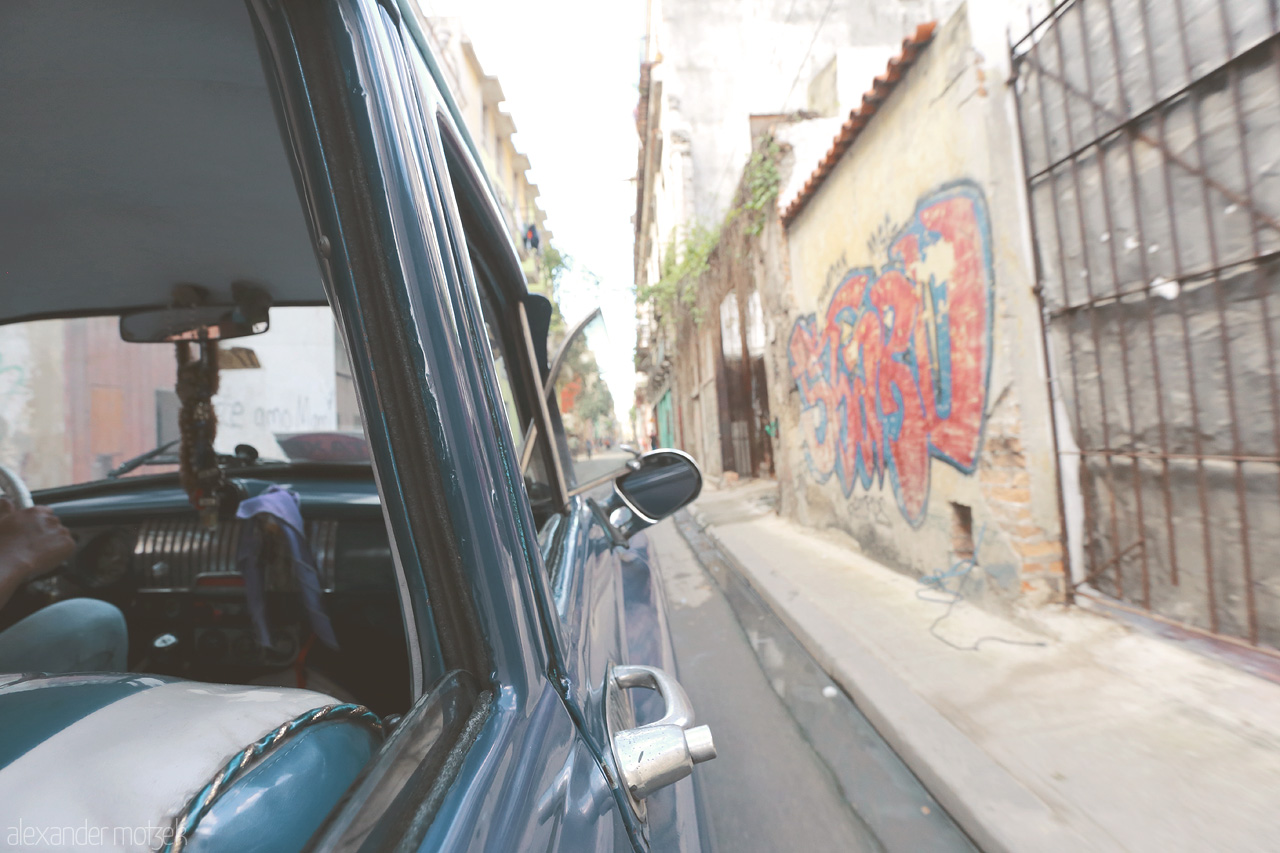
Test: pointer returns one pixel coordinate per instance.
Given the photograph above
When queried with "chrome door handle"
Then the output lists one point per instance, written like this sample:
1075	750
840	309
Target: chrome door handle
679	708
657	754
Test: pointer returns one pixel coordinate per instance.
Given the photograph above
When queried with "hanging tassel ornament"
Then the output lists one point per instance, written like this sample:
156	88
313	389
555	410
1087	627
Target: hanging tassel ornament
198	424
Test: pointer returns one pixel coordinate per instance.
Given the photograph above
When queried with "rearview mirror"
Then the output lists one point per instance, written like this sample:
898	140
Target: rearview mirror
194	323
662	482
192	317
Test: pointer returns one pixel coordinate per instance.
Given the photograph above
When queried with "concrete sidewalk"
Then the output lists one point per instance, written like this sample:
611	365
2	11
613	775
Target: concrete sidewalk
1087	736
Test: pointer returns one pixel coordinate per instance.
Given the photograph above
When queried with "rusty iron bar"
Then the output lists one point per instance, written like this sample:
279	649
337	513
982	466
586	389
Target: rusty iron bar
1062	270
1165	484
1034	25
1233	78
1126	125
1093	324
1105	601
1167	175
1140	544
1272	16
1127	128
1104	182
1158	103
1228	372
1207	457
1068	589
1205	276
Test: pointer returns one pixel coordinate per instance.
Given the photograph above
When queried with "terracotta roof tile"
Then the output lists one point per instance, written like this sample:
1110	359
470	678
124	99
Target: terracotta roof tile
859	116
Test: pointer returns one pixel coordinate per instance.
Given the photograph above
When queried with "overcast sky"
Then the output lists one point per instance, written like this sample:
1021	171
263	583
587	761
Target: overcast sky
570	71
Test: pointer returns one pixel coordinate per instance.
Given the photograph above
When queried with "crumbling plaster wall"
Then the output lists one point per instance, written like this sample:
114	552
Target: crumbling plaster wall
720	65
911	265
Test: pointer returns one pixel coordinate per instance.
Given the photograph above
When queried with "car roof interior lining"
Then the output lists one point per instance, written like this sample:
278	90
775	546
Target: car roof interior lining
141	151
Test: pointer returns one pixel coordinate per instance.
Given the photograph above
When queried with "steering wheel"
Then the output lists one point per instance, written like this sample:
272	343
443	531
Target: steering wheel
12	487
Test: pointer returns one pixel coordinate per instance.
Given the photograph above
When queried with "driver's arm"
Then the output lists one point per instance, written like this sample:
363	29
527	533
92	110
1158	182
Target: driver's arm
32	541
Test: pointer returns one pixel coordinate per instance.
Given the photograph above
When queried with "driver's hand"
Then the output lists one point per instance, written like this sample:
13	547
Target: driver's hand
32	541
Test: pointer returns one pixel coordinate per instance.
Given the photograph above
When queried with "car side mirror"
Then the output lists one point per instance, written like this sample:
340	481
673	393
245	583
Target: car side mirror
661	482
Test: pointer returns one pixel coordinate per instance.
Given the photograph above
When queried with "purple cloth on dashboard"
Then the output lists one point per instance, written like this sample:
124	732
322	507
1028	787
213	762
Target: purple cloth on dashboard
284	506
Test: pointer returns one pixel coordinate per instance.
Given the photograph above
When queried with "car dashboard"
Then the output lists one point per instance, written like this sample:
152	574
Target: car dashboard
140	546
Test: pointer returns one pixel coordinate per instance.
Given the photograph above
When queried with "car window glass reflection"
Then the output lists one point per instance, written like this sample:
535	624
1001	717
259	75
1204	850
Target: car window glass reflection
536	481
587	406
504	386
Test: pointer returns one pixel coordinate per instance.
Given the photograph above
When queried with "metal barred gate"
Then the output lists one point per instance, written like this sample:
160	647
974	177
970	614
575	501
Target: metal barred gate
1151	142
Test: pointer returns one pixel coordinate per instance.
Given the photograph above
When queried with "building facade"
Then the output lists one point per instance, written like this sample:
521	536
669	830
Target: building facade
480	98
874	339
916	413
1016	316
707	68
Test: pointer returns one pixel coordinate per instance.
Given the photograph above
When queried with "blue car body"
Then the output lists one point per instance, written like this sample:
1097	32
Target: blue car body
515	613
538	774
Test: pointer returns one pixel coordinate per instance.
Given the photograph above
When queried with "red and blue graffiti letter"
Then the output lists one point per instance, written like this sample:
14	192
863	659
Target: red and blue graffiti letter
896	373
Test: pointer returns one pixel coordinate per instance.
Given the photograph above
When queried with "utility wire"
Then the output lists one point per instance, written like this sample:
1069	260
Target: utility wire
812	42
937	582
799	70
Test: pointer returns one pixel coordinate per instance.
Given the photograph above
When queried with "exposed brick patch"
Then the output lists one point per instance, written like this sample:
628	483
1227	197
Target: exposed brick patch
1008	494
1006	486
1005	451
1006	477
1037	548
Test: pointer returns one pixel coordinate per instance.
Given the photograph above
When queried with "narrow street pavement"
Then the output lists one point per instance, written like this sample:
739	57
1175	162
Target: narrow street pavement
799	767
1044	729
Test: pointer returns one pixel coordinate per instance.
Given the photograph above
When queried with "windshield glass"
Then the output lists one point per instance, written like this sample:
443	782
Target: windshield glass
76	401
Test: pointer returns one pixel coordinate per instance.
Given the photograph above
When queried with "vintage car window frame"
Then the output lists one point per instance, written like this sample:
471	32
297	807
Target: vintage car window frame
484	236
513	341
488	237
513	322
305	66
557	524
561	523
533	391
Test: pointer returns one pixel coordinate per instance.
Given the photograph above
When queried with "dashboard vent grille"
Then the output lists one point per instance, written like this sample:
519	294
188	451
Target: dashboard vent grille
170	553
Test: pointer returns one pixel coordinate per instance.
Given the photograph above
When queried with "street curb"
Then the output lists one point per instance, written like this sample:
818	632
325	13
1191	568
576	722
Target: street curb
999	813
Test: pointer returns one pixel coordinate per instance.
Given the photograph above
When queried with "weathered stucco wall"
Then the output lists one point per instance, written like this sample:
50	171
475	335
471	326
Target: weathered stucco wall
915	414
724	61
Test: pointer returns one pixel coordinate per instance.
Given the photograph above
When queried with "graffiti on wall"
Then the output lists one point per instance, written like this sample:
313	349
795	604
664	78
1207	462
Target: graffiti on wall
895	373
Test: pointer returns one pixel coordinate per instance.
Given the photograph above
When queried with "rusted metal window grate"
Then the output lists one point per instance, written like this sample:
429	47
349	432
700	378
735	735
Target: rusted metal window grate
1151	144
